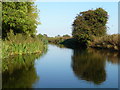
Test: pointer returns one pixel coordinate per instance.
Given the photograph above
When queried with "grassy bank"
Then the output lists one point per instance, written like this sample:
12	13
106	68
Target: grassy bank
111	42
56	40
22	44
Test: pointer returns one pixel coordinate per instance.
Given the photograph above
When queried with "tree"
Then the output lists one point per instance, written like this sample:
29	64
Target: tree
45	35
66	35
89	24
21	17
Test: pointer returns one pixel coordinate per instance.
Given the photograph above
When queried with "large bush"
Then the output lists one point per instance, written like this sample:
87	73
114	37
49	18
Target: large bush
89	24
21	17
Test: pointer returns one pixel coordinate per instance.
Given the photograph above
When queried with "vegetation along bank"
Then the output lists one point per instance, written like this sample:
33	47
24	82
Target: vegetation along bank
19	23
90	30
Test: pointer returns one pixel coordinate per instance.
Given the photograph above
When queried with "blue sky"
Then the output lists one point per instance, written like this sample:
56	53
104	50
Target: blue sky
57	17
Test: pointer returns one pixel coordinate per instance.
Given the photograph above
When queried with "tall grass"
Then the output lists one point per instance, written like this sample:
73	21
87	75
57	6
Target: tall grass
108	42
22	44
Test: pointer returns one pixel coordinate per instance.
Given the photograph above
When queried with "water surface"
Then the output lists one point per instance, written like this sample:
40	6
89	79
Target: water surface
68	68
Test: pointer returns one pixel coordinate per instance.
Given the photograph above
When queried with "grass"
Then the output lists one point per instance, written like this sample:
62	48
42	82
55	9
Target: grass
22	44
56	40
107	42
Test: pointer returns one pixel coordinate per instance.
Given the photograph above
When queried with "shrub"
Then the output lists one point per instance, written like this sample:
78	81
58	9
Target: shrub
89	24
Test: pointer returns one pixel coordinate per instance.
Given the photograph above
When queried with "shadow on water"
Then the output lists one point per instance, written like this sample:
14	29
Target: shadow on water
90	64
19	71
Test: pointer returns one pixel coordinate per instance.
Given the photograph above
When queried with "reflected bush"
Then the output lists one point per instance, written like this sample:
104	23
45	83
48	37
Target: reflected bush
11	64
20	79
112	56
89	66
19	72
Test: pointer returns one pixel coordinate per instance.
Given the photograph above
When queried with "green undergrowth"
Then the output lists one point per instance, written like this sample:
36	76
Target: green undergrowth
107	42
56	40
22	44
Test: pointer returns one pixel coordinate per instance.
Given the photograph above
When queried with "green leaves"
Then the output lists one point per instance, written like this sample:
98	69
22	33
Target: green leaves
21	17
22	44
88	24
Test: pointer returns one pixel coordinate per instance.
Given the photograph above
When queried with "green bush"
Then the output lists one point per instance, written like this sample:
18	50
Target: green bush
22	17
89	24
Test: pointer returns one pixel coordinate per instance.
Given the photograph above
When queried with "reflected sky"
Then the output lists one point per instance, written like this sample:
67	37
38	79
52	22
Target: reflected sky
56	69
63	68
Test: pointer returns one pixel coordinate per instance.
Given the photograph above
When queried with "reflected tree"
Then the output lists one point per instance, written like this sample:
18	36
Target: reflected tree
20	79
89	66
19	72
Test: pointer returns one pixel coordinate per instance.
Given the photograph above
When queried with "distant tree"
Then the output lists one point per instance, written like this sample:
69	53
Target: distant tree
66	35
21	17
40	36
89	24
57	36
45	35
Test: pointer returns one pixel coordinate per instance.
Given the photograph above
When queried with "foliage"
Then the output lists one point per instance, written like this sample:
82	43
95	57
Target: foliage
43	38
66	35
57	39
21	17
108	42
21	44
89	24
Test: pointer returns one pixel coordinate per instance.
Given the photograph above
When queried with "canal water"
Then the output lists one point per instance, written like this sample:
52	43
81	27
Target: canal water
61	67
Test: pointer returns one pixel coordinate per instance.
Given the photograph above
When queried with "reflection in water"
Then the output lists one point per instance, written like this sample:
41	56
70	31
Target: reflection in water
111	56
20	79
19	71
90	64
53	70
11	64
